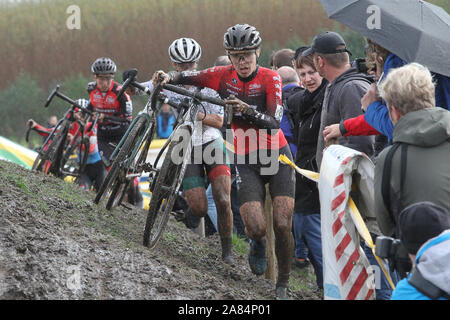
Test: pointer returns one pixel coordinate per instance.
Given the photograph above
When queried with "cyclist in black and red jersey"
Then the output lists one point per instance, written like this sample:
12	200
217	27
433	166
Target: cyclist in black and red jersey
103	99
255	95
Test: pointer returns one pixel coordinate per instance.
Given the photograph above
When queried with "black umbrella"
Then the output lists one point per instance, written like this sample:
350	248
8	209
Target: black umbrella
414	30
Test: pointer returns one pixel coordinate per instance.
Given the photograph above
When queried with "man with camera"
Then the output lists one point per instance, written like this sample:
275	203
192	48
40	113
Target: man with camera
424	230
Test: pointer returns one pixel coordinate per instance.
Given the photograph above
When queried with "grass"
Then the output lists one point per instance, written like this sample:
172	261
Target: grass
240	245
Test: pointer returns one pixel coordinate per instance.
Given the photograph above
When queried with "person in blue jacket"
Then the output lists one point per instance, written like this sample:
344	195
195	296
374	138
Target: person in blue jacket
376	111
425	232
166	120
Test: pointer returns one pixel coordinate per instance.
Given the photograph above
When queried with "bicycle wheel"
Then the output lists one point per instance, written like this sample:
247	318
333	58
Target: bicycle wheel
75	157
120	186
49	159
164	193
117	173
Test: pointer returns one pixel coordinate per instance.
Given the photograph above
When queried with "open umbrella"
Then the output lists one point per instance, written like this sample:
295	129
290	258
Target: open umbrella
415	30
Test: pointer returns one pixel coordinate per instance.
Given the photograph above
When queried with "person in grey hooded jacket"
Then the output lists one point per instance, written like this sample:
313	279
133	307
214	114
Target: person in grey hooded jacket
344	92
419	157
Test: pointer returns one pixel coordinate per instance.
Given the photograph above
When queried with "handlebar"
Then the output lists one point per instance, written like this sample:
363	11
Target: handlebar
27	135
56	92
131	76
195	95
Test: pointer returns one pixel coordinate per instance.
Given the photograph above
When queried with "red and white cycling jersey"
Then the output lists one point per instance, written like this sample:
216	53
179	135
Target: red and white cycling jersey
107	102
262	91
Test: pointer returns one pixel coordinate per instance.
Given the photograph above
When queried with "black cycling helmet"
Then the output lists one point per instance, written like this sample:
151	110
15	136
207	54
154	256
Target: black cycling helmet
103	66
241	37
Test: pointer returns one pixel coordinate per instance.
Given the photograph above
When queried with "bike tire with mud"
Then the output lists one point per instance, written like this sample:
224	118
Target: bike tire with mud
49	160
114	175
163	197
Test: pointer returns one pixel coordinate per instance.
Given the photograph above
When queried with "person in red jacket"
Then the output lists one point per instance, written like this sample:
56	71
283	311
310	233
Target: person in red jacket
103	99
255	95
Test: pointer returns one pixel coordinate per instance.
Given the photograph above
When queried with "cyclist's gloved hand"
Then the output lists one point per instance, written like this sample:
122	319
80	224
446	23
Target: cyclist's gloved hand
160	74
239	106
31	123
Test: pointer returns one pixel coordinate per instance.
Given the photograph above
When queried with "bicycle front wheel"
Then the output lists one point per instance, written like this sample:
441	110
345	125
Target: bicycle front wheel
117	174
164	193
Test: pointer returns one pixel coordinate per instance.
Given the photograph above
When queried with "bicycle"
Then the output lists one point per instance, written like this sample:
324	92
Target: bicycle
56	153
168	178
129	156
56	149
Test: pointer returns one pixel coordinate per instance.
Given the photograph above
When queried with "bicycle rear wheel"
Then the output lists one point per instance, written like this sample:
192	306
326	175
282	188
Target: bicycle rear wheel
164	193
49	159
117	174
75	157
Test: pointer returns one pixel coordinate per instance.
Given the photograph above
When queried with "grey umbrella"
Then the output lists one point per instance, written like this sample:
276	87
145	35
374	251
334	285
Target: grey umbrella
415	30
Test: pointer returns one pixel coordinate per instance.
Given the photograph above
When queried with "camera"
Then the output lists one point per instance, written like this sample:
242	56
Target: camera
395	252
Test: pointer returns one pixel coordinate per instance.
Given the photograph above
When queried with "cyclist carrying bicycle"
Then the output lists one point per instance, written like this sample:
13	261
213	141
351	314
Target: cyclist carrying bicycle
95	171
255	95
103	99
184	54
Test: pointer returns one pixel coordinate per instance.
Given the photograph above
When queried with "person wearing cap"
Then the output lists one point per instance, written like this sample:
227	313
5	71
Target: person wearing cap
344	92
425	233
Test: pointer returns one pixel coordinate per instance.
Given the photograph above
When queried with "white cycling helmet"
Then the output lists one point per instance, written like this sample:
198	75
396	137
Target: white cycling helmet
185	50
83	103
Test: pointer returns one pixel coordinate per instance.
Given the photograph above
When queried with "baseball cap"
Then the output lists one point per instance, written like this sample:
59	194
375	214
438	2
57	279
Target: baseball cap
420	222
327	42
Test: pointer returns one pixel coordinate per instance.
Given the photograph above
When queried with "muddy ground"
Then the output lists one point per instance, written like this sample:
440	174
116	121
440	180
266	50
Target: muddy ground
55	243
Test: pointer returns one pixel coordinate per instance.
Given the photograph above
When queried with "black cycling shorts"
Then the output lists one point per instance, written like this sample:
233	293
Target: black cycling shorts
251	179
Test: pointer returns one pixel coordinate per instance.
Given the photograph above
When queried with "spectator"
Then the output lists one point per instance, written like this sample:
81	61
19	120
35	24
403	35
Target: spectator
376	118
306	219
222	61
281	58
166	120
425	232
344	91
290	85
421	171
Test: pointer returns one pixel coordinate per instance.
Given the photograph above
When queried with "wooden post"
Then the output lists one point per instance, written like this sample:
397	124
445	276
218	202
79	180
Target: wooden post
201	228
271	272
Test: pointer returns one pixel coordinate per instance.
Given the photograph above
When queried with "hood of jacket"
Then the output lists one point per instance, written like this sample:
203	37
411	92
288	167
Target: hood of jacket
433	261
425	128
352	73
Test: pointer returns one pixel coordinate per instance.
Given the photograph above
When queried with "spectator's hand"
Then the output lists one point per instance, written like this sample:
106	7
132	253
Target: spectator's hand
69	137
331	132
238	105
158	74
31	123
370	97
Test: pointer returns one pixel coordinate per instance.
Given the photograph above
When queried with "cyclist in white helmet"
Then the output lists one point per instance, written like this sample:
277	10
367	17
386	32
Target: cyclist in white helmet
184	54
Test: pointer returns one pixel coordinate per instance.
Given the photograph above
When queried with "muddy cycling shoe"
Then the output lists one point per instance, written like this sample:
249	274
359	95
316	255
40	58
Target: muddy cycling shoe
227	246
281	293
257	257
